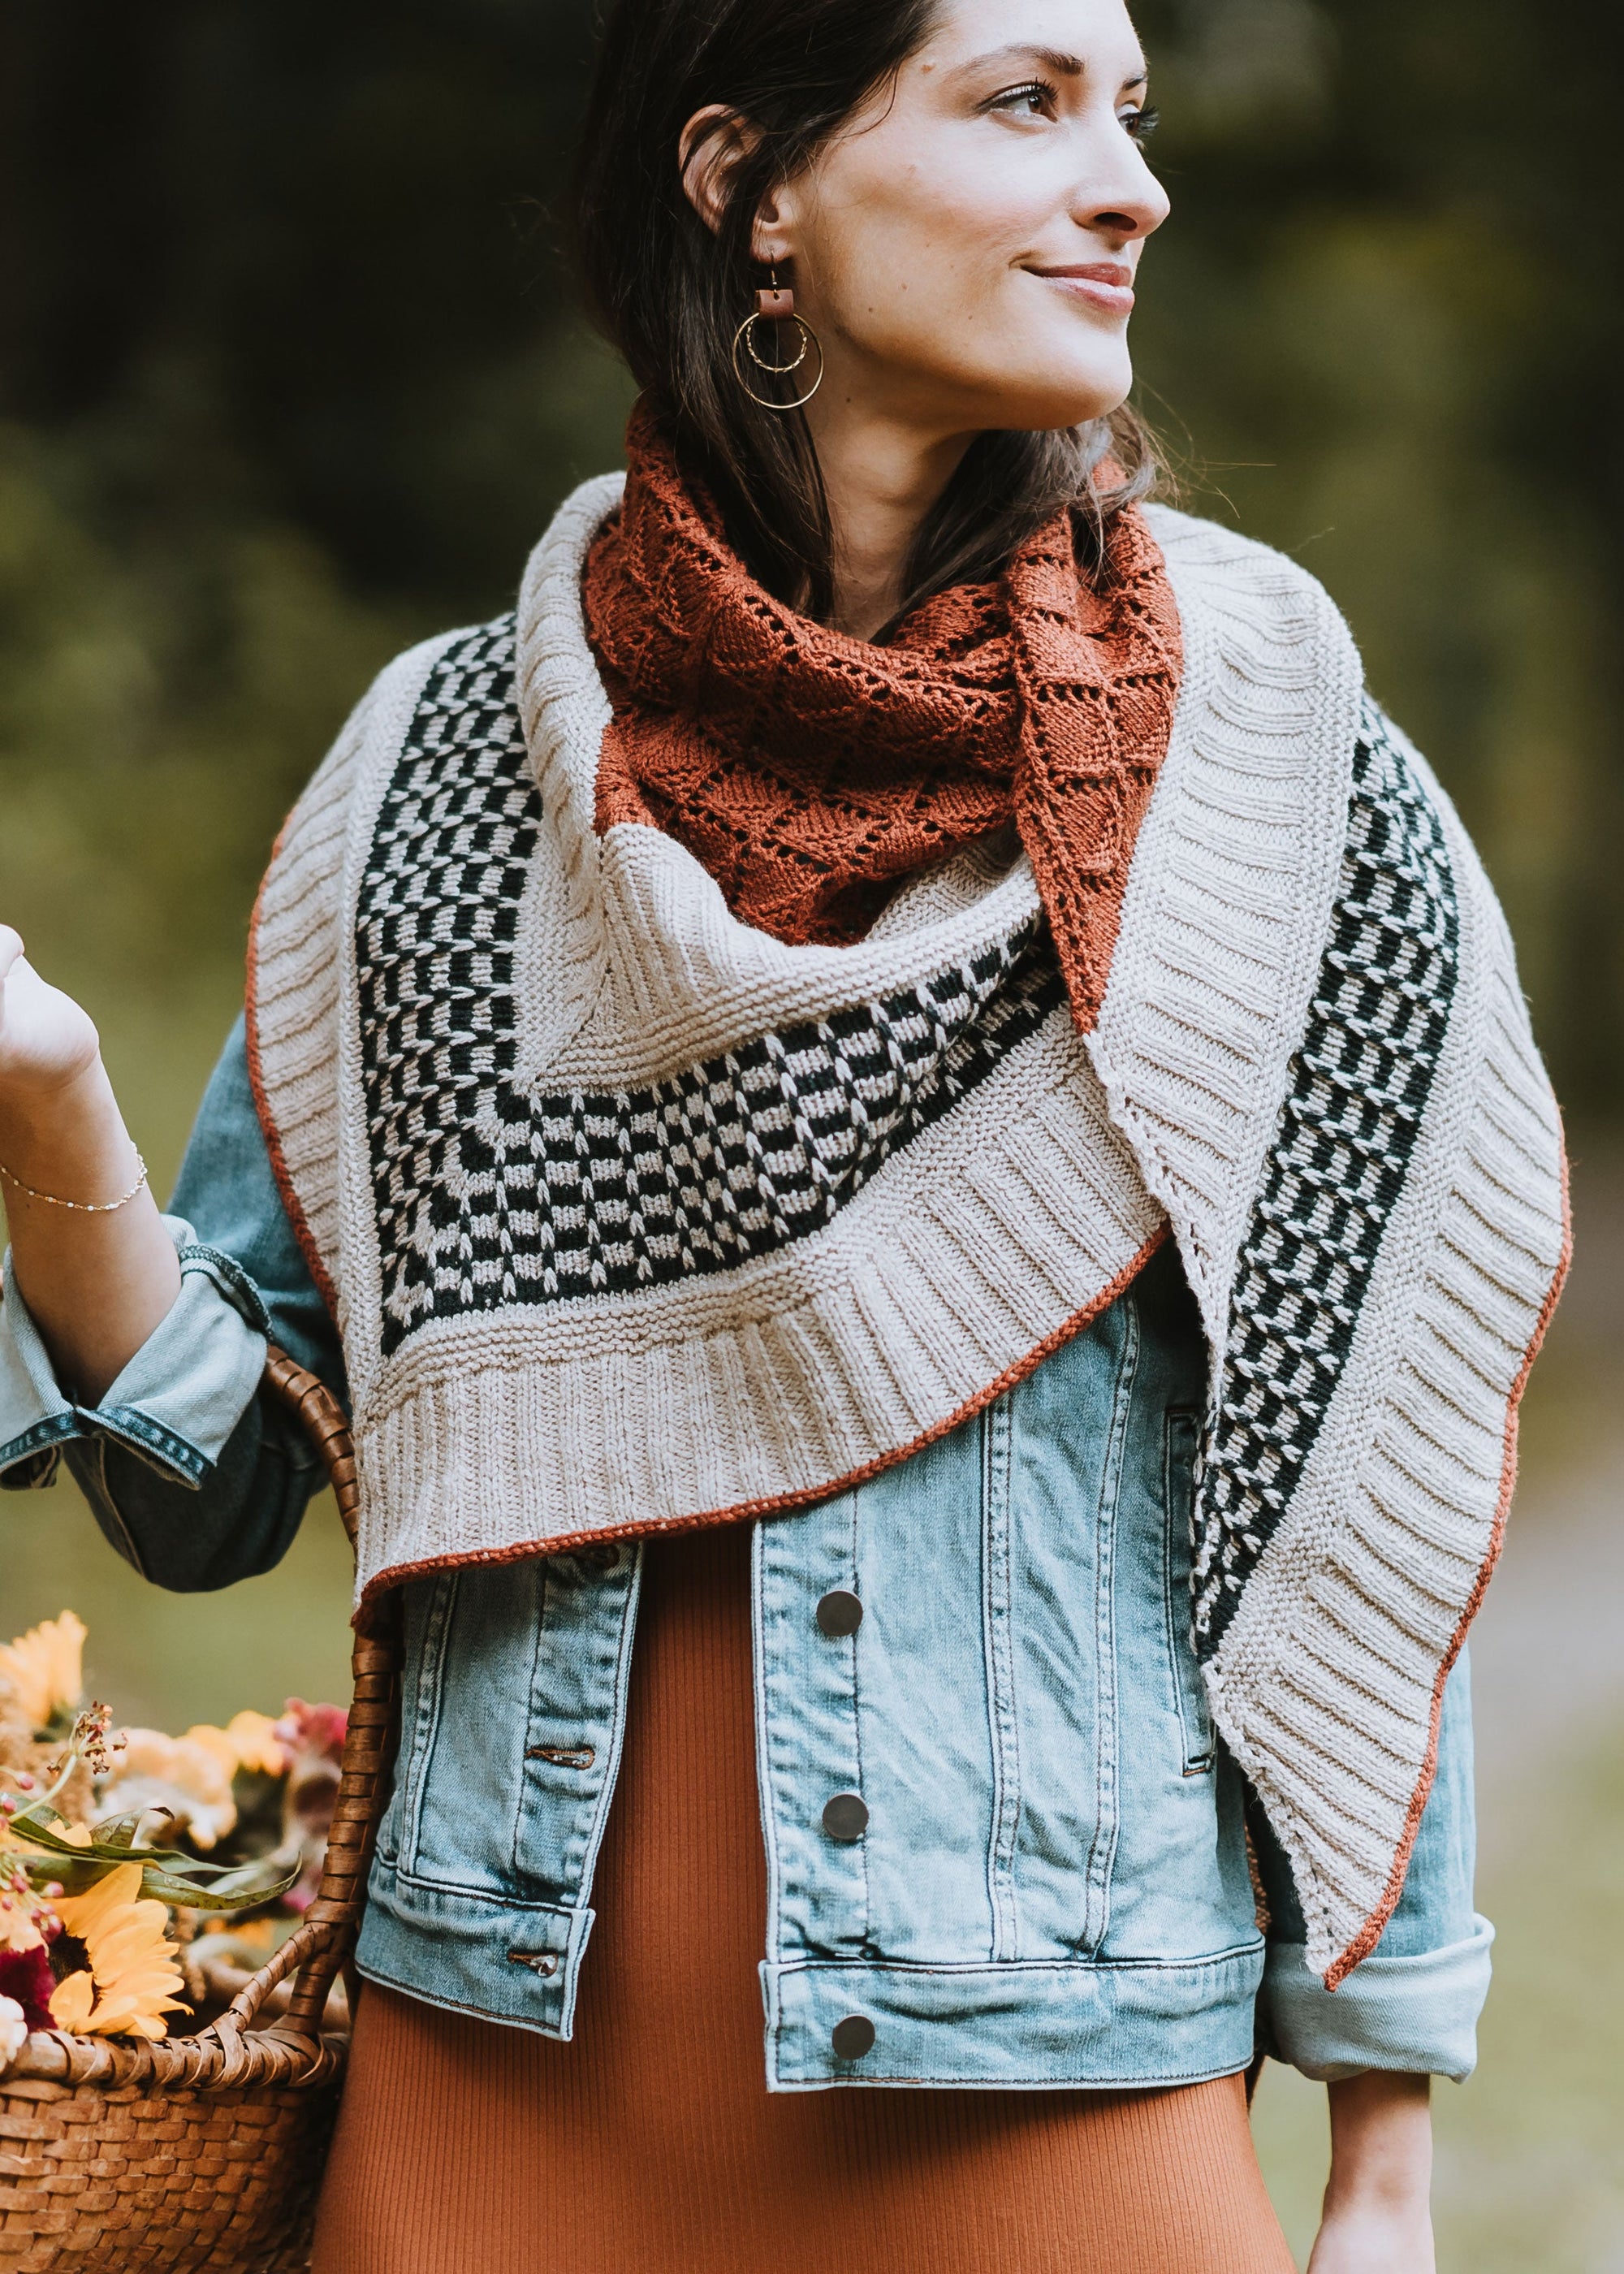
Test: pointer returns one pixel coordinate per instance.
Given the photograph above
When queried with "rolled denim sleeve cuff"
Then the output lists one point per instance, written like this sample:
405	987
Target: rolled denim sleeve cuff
175	1404
1416	2015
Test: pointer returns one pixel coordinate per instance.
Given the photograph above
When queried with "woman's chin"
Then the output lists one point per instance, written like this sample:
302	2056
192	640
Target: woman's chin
1048	388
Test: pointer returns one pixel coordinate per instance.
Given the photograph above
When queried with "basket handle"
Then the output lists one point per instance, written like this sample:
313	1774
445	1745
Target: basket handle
323	1941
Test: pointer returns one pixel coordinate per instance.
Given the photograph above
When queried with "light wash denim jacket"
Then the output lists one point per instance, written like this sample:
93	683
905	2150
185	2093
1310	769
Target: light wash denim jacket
1034	1871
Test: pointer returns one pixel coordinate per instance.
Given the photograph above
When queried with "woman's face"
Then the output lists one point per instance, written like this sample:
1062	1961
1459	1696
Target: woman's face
966	247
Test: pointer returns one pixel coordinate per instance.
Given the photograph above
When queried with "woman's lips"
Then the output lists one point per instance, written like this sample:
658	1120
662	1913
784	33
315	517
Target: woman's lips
1105	284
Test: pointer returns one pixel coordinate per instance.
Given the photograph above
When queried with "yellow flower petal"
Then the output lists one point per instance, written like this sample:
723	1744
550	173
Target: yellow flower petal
70	2003
132	1960
83	1914
44	1669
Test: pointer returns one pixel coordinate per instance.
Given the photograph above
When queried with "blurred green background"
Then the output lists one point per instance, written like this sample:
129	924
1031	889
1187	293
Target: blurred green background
291	374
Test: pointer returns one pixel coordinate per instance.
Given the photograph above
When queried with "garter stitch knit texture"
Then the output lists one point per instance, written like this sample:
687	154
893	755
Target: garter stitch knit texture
809	771
636	1216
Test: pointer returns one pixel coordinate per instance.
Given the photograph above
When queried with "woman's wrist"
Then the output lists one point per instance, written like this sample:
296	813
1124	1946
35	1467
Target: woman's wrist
66	1138
1378	2214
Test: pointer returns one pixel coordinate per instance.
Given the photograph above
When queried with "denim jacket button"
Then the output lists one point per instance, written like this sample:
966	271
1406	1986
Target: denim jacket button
840	1612
853	2037
845	1817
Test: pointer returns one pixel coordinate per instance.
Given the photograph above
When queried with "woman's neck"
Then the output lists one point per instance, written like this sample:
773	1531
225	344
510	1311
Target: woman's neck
880	478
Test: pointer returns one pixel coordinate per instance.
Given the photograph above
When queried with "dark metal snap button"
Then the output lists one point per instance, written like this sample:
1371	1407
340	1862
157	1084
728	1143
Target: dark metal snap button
845	1817
840	1612
853	2037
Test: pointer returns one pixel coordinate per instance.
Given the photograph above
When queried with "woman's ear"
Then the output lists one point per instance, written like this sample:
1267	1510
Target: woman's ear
713	146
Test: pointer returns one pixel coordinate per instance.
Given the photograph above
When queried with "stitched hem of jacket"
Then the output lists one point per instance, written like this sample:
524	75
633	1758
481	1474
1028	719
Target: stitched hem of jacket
235	1282
32	1459
39	1450
502	1959
1023	2026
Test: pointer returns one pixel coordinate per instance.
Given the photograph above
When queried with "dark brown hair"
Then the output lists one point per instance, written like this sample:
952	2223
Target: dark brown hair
671	294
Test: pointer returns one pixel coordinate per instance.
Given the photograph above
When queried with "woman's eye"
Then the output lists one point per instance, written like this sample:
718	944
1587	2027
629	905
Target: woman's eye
1036	101
1141	124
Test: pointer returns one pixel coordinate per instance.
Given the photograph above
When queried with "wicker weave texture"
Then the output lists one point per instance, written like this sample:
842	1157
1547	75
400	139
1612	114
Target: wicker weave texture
204	2155
188	2183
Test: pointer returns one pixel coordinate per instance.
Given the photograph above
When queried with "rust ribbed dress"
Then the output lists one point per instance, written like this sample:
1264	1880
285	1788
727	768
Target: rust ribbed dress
651	2146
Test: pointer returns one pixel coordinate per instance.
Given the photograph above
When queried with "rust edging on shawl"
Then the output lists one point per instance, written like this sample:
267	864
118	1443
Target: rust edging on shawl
780	1504
1370	1934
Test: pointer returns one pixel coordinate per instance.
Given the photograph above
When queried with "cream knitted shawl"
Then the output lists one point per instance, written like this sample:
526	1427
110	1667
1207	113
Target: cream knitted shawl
634	1217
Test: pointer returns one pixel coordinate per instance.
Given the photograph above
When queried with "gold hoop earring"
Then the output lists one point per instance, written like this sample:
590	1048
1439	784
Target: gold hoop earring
776	305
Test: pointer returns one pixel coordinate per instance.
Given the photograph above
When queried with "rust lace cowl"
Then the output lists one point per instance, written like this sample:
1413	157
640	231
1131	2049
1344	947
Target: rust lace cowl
809	772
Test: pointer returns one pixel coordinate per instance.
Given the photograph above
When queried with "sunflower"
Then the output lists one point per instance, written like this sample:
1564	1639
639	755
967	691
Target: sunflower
43	1668
125	1988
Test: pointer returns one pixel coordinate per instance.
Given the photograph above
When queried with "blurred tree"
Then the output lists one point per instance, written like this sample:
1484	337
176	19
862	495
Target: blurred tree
291	371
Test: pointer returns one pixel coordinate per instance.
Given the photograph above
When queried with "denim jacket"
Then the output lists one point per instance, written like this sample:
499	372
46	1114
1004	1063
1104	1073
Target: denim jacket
1000	1835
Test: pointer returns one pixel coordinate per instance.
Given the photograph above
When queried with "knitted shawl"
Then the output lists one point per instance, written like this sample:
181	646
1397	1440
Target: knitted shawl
634	1216
809	771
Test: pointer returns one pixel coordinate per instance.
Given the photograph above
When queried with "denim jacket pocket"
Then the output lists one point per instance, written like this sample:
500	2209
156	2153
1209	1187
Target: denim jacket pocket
427	1611
1183	1434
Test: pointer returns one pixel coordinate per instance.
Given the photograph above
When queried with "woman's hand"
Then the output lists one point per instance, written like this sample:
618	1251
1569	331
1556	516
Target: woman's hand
1378	2215
97	1279
47	1043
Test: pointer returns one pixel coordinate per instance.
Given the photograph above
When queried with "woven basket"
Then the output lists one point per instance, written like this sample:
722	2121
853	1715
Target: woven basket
206	2152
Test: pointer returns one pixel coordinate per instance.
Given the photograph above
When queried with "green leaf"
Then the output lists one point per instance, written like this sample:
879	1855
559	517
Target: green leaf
167	1873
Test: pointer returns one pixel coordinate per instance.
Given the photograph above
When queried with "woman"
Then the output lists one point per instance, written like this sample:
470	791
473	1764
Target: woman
901	1069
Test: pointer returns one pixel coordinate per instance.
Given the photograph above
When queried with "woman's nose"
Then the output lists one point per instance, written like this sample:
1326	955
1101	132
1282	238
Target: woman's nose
1130	202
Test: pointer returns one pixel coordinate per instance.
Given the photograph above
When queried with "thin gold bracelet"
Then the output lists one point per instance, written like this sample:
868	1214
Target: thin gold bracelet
81	1208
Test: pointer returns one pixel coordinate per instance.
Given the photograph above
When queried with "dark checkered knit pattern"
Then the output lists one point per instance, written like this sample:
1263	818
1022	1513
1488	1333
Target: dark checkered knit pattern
1347	1131
488	1195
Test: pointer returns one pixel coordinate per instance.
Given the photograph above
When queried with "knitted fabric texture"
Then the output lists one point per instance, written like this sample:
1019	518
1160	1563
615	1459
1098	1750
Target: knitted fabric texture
809	772
636	1216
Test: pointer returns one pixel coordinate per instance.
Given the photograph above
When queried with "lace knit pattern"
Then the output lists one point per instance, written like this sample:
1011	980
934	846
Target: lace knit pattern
810	772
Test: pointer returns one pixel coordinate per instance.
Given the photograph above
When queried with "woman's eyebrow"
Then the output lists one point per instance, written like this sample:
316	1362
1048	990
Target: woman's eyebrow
1050	59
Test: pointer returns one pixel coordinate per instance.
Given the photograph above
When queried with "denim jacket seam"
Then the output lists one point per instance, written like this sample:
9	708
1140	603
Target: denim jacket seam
538	1642
1102	1839
423	1883
627	1623
956	1969
857	1752
1200	1756
425	1722
763	1749
139	1433
228	1274
997	1612
115	1513
1158	2079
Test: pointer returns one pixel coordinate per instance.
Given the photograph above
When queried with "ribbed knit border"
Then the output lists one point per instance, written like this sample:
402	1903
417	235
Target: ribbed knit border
296	966
783	1504
1328	1683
